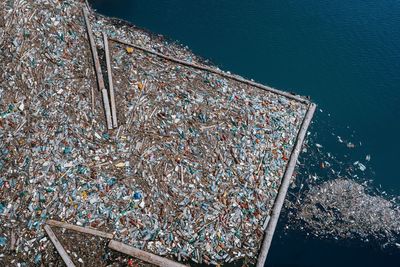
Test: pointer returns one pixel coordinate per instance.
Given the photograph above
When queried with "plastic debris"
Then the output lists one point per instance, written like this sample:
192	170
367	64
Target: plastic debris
192	172
3	241
350	145
342	208
361	166
129	50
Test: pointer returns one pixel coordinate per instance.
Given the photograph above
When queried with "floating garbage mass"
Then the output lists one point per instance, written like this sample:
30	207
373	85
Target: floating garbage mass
343	208
192	171
337	197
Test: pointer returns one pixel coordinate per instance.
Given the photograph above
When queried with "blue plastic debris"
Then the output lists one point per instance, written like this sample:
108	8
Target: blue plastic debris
67	150
111	181
106	136
137	195
38	258
3	241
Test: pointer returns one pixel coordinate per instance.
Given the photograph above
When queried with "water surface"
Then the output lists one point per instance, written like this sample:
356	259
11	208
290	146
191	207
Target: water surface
344	54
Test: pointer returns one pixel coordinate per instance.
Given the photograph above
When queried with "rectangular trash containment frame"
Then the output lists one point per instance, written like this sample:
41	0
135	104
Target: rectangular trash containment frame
279	200
197	169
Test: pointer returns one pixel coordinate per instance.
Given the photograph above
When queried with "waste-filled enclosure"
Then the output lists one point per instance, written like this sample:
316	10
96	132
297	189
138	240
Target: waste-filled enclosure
192	171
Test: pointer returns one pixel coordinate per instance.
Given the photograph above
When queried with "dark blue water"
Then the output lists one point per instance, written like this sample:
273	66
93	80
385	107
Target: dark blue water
344	54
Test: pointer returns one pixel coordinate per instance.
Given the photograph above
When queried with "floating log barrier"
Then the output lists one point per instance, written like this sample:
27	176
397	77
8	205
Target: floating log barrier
100	80
13	240
84	230
67	260
118	246
110	82
143	255
216	71
280	198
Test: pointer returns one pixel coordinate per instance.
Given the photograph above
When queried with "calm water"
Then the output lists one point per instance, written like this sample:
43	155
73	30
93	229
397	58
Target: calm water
344	54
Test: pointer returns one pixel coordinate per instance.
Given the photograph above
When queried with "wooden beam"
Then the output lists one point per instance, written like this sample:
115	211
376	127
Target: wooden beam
216	71
143	255
84	230
13	240
110	82
280	198
87	4
99	74
67	260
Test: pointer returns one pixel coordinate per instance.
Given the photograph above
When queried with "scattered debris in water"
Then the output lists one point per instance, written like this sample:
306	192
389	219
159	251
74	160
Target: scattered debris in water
343	208
323	205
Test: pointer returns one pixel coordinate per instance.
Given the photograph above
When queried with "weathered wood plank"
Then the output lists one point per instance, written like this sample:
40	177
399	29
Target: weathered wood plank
110	82
67	260
99	74
216	71
84	230
143	255
280	198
